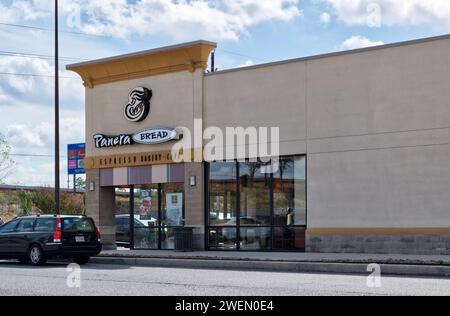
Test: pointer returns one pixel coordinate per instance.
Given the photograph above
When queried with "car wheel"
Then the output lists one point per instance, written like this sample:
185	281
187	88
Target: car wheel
37	257
82	260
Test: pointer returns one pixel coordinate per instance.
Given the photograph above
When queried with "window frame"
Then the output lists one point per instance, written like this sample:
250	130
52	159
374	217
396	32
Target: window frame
44	219
16	230
238	226
16	222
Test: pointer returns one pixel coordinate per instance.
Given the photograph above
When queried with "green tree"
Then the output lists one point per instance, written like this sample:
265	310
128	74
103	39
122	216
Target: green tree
80	183
25	203
6	163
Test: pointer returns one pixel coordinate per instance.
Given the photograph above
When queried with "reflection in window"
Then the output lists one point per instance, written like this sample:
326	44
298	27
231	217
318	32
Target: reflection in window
255	238
290	192
172	204
255	195
254	210
222	238
222	194
146	214
289	238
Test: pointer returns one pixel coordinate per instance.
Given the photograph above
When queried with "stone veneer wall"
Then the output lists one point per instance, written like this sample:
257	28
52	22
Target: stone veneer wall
379	244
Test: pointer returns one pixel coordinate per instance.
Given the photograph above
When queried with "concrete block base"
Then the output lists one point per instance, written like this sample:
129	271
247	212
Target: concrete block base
379	244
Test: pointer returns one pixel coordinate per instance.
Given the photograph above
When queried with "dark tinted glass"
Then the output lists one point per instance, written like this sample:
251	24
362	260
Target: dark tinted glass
222	238
45	225
25	225
255	194
222	194
8	227
75	225
289	238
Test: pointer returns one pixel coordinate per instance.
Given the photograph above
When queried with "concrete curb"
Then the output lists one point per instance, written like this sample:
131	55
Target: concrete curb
277	266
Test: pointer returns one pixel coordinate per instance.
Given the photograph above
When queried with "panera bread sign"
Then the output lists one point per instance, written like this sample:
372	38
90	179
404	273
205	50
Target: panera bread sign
151	136
137	110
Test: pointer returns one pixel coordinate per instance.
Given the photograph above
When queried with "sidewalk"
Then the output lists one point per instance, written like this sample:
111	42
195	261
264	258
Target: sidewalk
433	266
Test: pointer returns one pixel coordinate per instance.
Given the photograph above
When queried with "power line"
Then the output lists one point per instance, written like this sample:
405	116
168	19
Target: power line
33	75
242	55
34	155
40	56
50	30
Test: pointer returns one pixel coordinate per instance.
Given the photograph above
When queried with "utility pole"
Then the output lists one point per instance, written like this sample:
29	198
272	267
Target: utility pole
213	61
57	170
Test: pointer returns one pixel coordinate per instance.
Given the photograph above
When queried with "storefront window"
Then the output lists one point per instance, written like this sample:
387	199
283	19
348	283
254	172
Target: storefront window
222	194
255	238
122	213
222	238
146	215
172	204
289	238
158	209
255	195
253	210
289	194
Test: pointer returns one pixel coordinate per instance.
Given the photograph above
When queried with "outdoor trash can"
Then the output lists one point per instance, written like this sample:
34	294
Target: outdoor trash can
184	238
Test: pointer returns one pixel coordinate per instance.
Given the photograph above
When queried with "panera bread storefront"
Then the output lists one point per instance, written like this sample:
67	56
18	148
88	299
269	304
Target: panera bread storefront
363	140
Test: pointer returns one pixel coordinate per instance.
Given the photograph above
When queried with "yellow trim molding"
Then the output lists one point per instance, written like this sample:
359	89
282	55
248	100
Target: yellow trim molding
184	57
380	231
136	160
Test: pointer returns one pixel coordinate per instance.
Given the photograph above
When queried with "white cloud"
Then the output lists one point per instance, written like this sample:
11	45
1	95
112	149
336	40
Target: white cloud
325	18
179	19
30	131
392	12
36	90
24	10
358	41
247	63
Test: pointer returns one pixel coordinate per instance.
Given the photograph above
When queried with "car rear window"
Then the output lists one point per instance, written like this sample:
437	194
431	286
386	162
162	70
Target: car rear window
75	225
45	225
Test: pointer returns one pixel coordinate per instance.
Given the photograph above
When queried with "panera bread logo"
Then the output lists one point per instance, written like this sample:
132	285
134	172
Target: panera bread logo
148	137
138	106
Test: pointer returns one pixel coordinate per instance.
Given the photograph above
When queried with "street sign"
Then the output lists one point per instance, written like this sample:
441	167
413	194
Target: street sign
76	154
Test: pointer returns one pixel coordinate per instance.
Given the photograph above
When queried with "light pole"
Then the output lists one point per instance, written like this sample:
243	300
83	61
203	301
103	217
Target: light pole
57	170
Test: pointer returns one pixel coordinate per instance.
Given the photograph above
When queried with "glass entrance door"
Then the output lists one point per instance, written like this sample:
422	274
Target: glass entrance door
158	210
146	217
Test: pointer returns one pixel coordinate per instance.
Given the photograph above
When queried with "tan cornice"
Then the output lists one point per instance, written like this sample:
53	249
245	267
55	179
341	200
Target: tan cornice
184	57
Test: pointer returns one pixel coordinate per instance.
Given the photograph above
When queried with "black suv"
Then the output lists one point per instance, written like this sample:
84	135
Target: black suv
35	239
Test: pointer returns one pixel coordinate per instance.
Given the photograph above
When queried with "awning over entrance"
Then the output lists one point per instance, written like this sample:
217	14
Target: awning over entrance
170	173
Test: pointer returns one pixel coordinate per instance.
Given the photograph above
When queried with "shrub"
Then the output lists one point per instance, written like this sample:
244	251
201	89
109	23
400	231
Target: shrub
72	204
25	203
44	200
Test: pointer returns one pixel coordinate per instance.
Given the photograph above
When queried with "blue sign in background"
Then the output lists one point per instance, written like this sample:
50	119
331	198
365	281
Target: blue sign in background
76	154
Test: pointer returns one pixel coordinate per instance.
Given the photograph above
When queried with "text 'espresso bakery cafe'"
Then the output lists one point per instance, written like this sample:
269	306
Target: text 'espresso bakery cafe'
329	153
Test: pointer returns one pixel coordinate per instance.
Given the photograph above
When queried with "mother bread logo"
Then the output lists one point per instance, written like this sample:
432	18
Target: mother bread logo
138	106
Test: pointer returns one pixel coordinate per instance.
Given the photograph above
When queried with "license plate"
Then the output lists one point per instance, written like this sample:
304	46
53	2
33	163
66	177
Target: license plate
80	239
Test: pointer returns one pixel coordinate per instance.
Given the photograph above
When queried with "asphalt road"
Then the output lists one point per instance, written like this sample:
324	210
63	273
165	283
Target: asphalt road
17	279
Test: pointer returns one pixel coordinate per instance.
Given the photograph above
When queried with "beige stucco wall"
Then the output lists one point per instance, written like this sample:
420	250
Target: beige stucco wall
177	100
263	97
375	125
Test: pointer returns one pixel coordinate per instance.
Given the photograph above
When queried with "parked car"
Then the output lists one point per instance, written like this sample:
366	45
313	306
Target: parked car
35	239
252	231
141	229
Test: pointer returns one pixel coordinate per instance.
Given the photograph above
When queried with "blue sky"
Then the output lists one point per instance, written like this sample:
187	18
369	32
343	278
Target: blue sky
248	32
